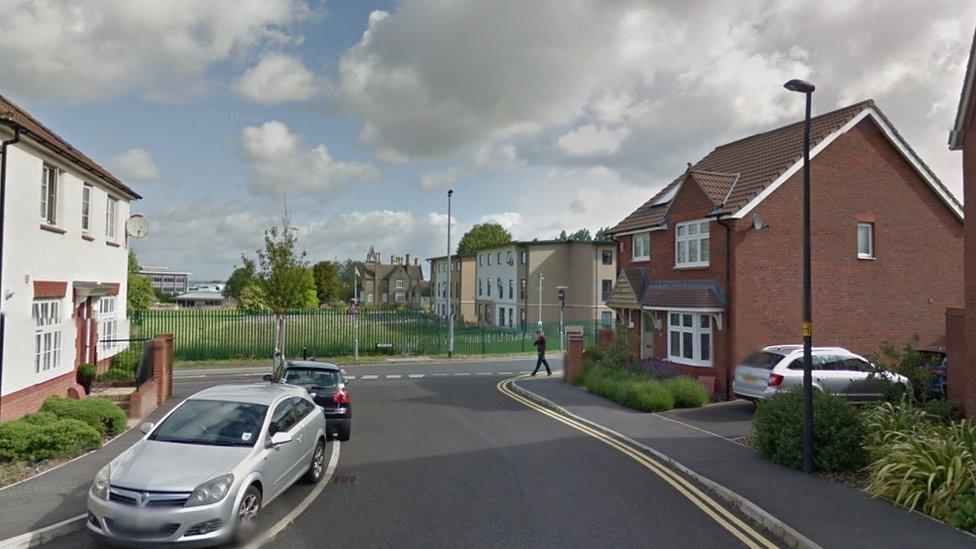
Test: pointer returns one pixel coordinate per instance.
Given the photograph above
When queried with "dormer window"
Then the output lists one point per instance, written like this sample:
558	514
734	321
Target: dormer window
691	244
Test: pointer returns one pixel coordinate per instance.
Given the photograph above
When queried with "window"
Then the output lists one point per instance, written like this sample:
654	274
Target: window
400	296
523	257
47	334
369	297
499	257
49	195
111	207
400	284
642	247
690	338
606	287
501	289
481	258
511	288
508	258
481	286
489	286
386	297
608	256
489	258
523	288
86	196
865	240
511	317
501	316
107	324
283	418
606	318
691	244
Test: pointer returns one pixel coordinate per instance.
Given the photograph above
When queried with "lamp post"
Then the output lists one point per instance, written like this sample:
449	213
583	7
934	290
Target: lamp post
806	88
450	266
541	278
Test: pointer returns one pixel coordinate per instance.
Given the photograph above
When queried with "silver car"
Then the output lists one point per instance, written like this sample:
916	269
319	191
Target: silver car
202	474
835	370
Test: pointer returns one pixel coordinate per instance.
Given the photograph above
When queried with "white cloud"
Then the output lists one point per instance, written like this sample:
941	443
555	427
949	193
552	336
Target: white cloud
593	140
135	165
80	51
487	158
278	161
279	78
389	232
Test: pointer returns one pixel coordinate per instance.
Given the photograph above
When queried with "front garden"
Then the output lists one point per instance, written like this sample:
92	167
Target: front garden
61	430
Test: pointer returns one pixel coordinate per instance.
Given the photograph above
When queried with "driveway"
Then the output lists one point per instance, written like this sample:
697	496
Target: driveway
731	420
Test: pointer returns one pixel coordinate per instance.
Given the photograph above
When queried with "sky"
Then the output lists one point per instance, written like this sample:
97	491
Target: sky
354	118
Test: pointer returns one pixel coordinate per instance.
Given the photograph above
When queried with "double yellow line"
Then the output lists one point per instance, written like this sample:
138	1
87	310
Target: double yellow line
728	520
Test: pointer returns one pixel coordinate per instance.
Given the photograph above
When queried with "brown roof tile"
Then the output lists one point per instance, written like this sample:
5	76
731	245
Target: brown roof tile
734	173
691	294
14	113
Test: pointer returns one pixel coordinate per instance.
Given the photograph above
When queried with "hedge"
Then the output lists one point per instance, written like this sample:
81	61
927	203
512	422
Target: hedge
31	441
101	414
640	391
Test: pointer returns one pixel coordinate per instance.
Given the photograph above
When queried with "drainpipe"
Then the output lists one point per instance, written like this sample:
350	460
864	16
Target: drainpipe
728	305
3	203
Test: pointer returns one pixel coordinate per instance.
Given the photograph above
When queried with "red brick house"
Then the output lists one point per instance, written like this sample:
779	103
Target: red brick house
709	268
962	322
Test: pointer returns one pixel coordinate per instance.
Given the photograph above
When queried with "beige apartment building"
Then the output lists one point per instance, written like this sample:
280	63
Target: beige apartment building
508	285
462	287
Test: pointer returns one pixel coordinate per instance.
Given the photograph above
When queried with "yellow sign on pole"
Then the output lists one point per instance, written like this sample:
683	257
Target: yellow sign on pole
807	329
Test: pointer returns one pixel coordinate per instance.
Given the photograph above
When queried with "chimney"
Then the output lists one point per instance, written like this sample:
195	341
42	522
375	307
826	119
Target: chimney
415	262
407	262
392	259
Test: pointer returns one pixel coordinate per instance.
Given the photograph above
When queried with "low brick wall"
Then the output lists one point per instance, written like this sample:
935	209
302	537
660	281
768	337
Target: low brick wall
29	399
144	400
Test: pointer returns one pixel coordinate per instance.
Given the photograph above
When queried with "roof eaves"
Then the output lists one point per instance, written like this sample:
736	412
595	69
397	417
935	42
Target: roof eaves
965	101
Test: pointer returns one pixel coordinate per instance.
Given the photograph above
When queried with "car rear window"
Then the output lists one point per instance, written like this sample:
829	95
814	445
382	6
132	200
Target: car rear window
762	359
313	377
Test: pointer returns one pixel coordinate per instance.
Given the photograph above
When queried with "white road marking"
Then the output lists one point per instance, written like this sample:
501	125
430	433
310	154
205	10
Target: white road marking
462	373
483	373
440	375
394	376
369	377
505	373
417	375
350	377
287	519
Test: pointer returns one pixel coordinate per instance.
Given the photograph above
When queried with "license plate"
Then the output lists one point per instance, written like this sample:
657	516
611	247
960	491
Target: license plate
750	378
139	523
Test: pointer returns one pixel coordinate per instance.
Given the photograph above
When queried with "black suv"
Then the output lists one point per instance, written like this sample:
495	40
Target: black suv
325	383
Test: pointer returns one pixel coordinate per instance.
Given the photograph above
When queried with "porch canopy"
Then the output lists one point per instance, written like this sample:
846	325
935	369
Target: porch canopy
635	290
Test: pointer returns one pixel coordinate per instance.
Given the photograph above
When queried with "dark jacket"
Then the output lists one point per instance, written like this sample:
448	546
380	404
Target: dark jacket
540	344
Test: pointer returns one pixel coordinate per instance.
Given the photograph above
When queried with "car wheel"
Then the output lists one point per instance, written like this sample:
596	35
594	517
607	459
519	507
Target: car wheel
317	467
247	514
343	433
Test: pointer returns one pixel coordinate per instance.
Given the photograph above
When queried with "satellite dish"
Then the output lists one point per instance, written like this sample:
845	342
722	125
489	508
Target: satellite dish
757	222
137	226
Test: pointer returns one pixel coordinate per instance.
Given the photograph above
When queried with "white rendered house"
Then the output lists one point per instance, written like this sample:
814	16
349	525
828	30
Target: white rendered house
64	263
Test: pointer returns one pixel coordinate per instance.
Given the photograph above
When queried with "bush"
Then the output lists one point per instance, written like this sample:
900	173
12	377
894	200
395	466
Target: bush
945	411
907	361
29	440
40	418
646	395
837	430
687	392
930	468
101	414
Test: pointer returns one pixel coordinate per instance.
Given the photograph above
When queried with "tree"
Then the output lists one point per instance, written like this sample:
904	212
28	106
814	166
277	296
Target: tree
328	285
282	283
603	233
140	293
239	278
347	277
582	235
483	235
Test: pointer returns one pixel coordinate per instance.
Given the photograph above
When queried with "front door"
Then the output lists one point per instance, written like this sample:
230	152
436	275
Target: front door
647	334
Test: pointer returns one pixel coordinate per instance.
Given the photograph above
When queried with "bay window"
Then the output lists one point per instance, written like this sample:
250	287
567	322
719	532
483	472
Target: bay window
690	338
691	244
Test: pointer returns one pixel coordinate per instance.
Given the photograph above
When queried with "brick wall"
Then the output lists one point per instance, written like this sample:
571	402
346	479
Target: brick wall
857	303
969	191
28	400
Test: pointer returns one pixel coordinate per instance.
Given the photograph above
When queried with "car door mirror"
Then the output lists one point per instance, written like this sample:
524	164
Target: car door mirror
146	427
278	439
267	377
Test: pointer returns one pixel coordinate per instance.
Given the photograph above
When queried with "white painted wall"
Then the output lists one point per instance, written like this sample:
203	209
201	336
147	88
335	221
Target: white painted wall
31	253
496	271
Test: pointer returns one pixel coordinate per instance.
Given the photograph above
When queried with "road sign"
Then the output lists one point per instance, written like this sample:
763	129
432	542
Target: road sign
353	308
561	294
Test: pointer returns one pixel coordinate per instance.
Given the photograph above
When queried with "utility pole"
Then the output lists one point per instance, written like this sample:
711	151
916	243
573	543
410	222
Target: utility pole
541	278
562	305
450	266
355	321
806	88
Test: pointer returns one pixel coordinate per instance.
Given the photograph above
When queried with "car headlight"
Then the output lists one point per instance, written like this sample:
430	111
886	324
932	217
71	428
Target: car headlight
100	487
211	491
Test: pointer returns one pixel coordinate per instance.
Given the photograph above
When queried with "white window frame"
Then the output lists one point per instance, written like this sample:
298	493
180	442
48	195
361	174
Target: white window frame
641	253
108	324
870	252
86	204
606	319
111	217
489	284
400	296
400	284
685	235
481	285
696	330
50	194
47	334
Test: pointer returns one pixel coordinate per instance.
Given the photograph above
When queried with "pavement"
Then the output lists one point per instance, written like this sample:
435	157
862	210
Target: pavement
450	461
707	441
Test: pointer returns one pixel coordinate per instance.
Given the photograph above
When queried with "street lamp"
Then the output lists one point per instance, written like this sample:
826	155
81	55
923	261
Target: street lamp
450	266
806	88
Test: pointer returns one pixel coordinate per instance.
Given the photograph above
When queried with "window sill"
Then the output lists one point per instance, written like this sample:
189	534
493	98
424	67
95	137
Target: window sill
112	244
866	258
638	259
52	228
688	362
88	237
692	267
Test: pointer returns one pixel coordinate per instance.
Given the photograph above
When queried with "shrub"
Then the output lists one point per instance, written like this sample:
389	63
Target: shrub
838	431
887	423
945	411
932	469
646	395
40	418
687	392
26	440
101	414
907	361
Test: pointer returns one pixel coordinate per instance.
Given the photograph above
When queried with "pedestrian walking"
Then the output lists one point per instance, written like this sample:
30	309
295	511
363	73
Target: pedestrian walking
540	345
